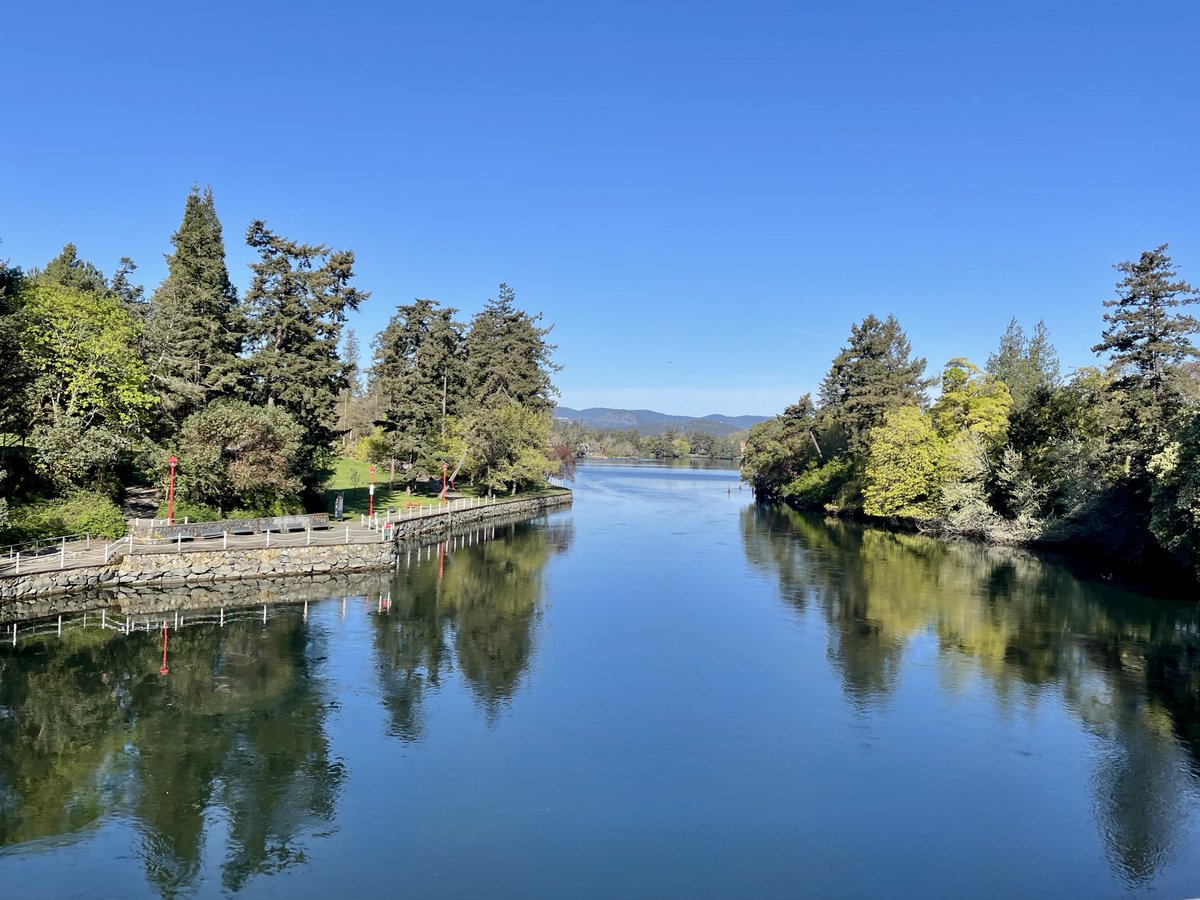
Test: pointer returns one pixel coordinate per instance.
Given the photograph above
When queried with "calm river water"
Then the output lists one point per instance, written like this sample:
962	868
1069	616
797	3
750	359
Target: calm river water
662	692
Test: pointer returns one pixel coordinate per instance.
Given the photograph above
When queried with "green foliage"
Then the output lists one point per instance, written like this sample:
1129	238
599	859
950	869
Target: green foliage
194	327
1029	366
778	449
1175	500
78	513
88	396
823	485
508	358
69	271
972	401
235	454
418	381
506	447
186	510
296	308
873	374
904	468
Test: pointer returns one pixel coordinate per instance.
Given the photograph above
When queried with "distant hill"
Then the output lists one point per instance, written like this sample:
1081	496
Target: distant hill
646	421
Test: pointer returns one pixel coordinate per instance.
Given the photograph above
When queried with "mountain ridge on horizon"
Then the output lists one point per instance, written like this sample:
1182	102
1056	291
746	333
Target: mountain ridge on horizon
648	421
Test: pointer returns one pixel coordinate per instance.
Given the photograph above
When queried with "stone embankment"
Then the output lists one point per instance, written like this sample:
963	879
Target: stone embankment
200	565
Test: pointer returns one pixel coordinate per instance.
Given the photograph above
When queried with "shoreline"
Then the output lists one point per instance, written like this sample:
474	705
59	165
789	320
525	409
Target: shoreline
204	566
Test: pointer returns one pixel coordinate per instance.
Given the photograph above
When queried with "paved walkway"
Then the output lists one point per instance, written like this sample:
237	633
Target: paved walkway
78	554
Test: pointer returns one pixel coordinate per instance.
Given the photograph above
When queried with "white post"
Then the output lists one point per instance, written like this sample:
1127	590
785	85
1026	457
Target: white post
62	554
264	614
18	562
104	618
88	539
268	534
347	534
308	536
222	617
60	625
224	540
179	544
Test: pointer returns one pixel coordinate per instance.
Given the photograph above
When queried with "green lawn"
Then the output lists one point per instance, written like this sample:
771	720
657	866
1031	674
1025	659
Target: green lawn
352	478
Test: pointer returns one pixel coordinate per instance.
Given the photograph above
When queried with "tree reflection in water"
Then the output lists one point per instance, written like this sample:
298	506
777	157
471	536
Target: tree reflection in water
1127	666
477	607
89	729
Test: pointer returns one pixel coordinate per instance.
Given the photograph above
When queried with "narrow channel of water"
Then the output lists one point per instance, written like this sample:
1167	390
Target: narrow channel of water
664	691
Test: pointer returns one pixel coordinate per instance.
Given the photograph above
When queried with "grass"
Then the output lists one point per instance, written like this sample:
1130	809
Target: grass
351	477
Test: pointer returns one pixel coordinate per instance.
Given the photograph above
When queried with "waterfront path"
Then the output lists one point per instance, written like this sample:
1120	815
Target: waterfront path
76	554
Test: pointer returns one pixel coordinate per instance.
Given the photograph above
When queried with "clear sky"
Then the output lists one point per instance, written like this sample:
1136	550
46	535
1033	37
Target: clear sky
702	197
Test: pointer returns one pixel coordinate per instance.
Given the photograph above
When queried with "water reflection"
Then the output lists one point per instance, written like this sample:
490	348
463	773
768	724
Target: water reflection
89	728
1127	667
474	604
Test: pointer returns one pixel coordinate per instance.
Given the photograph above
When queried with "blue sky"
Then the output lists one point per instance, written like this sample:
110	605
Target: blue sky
701	197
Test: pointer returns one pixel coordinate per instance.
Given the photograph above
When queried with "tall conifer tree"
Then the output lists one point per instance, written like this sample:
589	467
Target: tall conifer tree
508	357
296	308
194	328
874	373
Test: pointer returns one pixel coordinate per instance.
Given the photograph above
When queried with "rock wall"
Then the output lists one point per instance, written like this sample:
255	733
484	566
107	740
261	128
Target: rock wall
201	566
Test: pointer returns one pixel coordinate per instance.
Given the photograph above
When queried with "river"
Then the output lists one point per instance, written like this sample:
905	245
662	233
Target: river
664	691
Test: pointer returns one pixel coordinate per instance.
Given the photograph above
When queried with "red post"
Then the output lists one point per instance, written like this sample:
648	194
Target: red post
443	497
171	492
163	670
371	495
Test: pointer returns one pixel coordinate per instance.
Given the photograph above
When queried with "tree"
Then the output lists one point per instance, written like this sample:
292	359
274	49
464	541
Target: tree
89	396
194	327
234	454
972	401
1175	498
1029	366
508	357
1148	341
873	374
68	270
296	308
418	380
14	377
778	449
904	468
506	446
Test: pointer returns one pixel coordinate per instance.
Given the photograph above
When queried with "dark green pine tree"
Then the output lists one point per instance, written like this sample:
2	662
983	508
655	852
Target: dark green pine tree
418	378
14	375
508	357
1148	342
873	374
70	271
296	309
194	326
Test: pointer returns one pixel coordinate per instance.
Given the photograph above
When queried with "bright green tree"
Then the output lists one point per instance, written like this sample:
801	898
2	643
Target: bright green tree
89	396
873	374
194	327
506	446
296	306
972	401
905	466
1175	498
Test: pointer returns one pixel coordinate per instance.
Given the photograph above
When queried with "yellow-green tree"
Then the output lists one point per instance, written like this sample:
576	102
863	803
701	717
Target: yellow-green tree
904	466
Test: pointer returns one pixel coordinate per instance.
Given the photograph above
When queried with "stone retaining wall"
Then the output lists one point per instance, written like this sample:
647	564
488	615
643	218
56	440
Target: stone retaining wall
200	566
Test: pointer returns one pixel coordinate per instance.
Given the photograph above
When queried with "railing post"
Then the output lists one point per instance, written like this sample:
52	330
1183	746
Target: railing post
347	534
224	539
18	562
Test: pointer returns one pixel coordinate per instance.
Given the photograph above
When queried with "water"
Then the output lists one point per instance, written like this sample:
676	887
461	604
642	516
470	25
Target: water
662	692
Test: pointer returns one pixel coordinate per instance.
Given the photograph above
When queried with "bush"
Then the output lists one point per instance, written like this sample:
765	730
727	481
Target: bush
193	512
80	512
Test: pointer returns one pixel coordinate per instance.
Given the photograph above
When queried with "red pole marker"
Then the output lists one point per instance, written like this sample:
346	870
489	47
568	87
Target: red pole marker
163	670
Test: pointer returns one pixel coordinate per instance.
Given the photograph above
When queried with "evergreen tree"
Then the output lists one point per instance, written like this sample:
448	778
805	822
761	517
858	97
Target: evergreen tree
1148	341
1029	366
14	375
418	379
296	308
873	374
68	270
130	294
508	357
194	327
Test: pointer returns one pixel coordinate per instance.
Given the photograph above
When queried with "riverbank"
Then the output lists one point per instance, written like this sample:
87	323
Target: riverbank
1151	570
354	549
